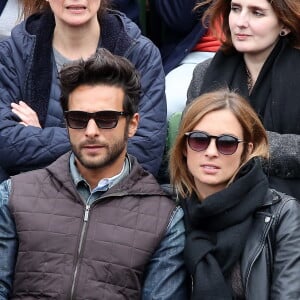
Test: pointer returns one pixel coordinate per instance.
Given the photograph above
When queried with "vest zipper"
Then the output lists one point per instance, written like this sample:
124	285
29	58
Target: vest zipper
85	221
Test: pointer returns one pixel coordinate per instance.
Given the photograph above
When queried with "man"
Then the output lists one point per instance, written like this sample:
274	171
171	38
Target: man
94	224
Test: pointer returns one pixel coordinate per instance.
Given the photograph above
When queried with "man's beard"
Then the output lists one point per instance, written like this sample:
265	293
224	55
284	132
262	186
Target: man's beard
113	153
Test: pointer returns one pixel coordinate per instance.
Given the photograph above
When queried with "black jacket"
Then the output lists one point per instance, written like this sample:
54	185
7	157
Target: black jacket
269	260
270	263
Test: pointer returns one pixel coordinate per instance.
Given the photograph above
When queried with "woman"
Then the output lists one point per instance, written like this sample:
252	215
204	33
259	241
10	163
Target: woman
260	58
32	130
243	239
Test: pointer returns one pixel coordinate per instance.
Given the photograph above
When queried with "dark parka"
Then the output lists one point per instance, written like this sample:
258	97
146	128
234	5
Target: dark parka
28	72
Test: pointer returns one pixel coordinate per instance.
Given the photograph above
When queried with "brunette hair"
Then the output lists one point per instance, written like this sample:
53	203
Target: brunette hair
253	131
217	16
39	6
103	68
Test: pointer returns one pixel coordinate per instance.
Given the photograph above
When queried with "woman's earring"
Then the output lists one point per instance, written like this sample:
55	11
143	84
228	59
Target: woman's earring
282	33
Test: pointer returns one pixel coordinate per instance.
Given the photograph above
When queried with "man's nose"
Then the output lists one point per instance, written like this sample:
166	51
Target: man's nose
91	129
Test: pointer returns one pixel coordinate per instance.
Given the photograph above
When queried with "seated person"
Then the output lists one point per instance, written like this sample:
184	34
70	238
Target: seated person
93	224
242	238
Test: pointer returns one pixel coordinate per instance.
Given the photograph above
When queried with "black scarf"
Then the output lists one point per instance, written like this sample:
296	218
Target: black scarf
217	230
276	93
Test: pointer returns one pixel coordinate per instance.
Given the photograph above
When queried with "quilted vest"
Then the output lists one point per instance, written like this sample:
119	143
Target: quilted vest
70	251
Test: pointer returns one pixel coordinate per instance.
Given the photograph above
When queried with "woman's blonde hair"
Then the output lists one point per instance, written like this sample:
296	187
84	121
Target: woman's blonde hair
253	131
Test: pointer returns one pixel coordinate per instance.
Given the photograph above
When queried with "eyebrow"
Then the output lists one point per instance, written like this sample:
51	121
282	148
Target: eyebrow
253	7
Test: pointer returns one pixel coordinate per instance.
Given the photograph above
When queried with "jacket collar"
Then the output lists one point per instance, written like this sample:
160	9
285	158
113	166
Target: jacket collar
271	198
138	182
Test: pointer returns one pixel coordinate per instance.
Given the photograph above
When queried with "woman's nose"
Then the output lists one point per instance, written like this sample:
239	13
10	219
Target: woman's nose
242	19
212	150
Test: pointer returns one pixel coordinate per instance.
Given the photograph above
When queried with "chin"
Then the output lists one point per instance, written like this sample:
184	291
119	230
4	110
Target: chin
244	49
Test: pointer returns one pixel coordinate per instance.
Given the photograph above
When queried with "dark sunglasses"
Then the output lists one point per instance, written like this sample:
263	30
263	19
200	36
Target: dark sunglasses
225	143
105	119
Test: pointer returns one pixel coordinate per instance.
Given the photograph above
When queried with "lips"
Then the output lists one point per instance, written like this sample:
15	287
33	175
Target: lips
92	146
210	167
241	36
76	7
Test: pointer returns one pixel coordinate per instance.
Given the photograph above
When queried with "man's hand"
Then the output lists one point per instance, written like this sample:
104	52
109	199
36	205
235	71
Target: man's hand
26	114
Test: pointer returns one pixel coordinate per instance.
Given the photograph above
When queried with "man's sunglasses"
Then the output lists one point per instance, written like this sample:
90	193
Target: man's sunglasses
225	143
105	119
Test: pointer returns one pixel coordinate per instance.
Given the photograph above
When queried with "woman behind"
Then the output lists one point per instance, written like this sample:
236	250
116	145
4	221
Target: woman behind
243	239
260	58
32	129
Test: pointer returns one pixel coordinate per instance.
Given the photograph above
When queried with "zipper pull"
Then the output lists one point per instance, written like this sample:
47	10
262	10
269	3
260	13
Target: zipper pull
86	212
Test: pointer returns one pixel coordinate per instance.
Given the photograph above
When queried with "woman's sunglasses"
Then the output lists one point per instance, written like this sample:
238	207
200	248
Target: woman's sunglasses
225	143
105	119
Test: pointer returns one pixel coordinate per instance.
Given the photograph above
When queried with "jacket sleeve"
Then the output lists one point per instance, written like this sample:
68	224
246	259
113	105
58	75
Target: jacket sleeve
23	148
149	141
286	263
284	159
8	243
171	283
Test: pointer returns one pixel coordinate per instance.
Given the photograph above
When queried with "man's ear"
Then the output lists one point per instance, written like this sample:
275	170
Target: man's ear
133	125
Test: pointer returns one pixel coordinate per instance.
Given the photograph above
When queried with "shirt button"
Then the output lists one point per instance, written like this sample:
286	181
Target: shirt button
267	219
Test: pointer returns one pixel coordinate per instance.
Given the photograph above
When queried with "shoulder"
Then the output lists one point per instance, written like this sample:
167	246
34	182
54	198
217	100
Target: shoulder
284	211
197	80
142	181
126	23
132	29
282	201
129	36
285	205
201	68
